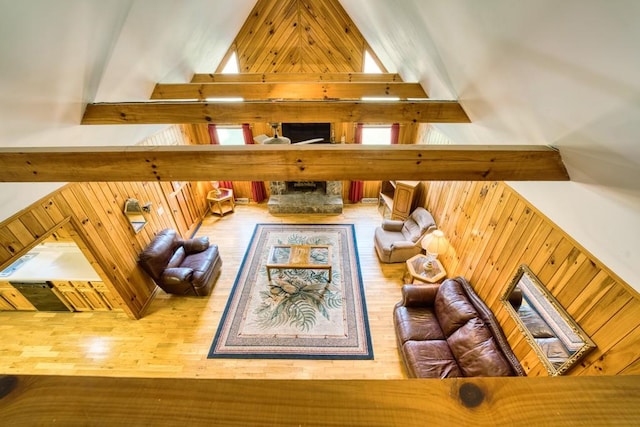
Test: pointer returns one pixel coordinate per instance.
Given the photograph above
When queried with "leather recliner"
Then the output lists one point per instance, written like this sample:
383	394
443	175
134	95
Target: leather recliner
397	241
181	267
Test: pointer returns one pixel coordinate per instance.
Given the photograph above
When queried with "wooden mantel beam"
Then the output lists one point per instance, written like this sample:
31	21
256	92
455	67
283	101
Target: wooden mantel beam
156	112
282	163
296	77
291	90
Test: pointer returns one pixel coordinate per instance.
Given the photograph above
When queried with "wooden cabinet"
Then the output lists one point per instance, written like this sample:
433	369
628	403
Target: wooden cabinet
85	295
75	294
399	198
12	299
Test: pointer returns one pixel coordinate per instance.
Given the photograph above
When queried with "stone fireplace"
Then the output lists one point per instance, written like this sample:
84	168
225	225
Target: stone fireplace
305	197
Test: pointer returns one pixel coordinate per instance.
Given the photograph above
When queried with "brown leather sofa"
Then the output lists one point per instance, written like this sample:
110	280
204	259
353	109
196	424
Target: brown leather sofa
448	331
182	267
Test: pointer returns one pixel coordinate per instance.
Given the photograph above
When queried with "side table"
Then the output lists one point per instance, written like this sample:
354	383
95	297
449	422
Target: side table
416	270
221	201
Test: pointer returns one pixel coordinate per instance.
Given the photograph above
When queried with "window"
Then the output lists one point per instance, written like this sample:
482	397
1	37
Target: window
370	65
231	67
376	134
230	135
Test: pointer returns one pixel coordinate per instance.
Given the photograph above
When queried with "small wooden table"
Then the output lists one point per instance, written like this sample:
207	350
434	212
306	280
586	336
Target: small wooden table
216	198
299	256
416	270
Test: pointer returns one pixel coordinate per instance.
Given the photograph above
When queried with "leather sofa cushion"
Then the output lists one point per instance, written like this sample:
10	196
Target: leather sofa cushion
452	307
416	323
155	257
430	359
177	258
195	245
474	348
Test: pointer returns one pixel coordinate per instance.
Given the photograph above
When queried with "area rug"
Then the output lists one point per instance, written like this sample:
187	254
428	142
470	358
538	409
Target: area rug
299	313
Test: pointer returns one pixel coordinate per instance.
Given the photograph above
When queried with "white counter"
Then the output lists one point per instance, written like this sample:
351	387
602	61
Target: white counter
54	261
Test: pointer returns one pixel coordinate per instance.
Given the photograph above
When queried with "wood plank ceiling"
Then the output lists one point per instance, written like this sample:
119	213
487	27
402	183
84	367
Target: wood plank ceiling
299	61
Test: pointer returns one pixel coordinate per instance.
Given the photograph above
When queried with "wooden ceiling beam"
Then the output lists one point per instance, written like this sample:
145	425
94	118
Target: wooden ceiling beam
174	112
282	163
288	90
296	77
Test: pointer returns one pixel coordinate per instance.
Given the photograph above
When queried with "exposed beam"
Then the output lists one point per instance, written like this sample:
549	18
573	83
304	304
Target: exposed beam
171	112
281	163
296	77
84	400
280	90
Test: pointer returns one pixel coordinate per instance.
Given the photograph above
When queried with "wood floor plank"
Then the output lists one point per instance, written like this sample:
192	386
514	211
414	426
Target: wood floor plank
173	338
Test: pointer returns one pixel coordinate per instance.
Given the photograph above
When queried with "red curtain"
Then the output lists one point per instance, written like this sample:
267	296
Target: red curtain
213	135
356	191
395	133
258	191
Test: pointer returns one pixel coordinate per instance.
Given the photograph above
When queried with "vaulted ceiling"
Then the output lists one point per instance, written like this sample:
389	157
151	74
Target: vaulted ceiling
542	73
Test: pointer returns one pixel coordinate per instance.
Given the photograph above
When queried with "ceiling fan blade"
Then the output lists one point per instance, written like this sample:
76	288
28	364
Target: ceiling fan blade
311	141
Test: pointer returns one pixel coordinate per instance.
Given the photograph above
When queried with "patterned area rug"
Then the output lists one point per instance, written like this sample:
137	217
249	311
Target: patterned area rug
299	313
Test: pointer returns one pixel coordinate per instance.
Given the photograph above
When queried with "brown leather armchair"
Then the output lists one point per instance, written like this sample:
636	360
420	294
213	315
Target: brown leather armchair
182	267
397	241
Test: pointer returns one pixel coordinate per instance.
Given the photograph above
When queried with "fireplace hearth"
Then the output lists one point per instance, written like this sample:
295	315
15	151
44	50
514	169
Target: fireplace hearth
305	197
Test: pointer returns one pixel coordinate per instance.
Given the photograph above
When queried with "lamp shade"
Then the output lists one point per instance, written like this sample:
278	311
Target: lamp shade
435	243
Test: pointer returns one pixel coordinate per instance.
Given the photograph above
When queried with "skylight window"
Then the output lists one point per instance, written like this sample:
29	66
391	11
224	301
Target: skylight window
370	65
231	67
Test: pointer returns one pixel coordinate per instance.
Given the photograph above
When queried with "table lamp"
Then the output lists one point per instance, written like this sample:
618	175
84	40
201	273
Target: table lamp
435	244
216	187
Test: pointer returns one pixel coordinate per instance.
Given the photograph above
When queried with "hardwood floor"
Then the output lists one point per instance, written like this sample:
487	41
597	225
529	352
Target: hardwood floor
173	338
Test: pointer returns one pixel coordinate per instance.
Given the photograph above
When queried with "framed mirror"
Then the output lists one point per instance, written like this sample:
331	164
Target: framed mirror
135	215
555	337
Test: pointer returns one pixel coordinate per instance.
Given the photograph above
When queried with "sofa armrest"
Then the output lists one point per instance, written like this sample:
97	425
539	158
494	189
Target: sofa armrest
419	295
196	245
403	244
177	274
392	224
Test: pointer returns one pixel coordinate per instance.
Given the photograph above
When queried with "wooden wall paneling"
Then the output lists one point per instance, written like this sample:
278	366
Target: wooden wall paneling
42	216
119	267
170	193
31	223
256	33
608	337
53	210
408	133
21	234
8	246
463	214
486	262
493	263
490	242
628	359
466	256
585	272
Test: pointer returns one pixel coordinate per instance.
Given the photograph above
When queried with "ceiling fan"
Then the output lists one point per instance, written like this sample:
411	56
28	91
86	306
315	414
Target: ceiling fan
276	139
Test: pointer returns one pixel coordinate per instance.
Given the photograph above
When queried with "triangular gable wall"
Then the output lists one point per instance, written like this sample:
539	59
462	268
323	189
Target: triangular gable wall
299	36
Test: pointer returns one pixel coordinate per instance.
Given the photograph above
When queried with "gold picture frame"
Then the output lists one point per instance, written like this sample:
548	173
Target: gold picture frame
556	338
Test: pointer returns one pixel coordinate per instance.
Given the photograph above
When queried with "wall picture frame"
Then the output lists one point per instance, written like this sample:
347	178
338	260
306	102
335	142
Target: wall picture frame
553	334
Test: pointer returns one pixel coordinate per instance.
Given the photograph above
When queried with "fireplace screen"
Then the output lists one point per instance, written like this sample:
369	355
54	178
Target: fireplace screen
306	186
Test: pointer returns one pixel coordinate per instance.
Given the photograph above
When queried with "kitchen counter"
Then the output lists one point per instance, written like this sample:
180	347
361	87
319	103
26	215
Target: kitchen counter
53	261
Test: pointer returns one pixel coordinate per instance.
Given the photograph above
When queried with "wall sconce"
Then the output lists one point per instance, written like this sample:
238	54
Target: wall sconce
147	207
